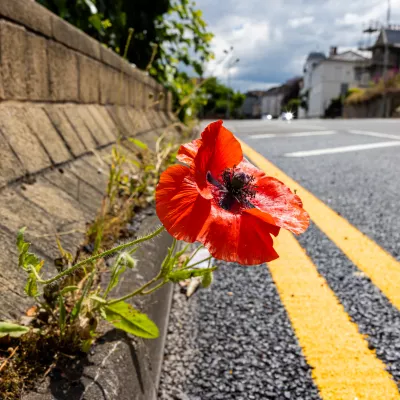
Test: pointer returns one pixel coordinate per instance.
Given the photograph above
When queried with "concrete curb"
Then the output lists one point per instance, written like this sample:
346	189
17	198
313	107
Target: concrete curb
120	366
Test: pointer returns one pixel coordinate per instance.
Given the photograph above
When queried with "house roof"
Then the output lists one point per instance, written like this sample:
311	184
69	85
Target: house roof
347	56
315	55
393	36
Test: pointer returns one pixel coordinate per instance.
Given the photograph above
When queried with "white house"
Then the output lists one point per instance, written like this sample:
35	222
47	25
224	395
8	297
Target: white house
328	78
271	102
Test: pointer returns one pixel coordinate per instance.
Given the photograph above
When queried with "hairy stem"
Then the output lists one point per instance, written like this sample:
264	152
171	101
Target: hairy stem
134	293
69	271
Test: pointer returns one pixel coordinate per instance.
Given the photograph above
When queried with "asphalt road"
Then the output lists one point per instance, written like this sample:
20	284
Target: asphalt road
324	322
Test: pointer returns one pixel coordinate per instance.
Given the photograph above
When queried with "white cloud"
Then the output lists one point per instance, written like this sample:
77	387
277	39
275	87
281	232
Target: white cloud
273	38
296	22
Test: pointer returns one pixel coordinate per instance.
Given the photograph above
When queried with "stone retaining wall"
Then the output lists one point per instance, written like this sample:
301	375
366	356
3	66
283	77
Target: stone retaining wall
64	101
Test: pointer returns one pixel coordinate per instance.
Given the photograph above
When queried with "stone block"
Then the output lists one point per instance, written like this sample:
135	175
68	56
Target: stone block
12	60
93	170
86	195
54	201
96	129
80	127
106	81
27	147
63	73
40	124
37	72
10	166
104	120
138	122
65	129
122	119
111	58
17	211
169	101
89	80
28	13
73	37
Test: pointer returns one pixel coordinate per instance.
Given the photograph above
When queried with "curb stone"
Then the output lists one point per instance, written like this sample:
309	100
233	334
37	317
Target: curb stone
120	366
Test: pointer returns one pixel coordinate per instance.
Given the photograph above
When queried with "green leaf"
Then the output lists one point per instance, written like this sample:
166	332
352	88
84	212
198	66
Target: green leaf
182	275
68	289
207	279
77	309
26	259
62	314
123	316
87	344
96	22
138	143
13	330
98	299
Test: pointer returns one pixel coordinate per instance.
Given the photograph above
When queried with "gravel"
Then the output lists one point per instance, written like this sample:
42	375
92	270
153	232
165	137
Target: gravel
234	341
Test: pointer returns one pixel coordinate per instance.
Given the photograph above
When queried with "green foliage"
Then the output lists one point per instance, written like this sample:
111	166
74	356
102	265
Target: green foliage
207	279
12	330
167	34
123	316
217	98
29	263
181	275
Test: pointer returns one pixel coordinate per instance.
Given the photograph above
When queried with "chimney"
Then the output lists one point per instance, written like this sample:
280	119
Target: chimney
333	51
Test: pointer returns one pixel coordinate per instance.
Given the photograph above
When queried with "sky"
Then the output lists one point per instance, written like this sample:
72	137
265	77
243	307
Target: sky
272	38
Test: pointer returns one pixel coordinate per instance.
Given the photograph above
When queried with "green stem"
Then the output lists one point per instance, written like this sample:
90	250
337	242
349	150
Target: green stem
198	262
154	288
96	257
141	290
134	293
195	252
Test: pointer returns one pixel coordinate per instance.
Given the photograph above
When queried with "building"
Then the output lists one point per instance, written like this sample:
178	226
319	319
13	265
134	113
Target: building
251	107
271	102
389	36
327	78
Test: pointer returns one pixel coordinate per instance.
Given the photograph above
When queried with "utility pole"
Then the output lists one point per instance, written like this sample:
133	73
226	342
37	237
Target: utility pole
228	97
231	63
385	62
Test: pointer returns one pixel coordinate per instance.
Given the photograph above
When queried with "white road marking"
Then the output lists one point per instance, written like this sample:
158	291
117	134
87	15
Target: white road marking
375	134
295	134
342	149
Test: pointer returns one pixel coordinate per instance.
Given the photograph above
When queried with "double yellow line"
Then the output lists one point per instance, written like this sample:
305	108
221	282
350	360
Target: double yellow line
343	366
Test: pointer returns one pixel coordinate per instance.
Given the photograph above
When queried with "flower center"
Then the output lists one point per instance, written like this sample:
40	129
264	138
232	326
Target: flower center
234	190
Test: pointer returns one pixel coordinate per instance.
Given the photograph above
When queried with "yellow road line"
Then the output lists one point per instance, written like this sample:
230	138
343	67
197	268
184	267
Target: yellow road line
375	262
343	366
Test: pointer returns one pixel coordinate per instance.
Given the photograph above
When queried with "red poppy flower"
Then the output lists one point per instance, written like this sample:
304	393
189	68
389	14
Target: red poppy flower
221	200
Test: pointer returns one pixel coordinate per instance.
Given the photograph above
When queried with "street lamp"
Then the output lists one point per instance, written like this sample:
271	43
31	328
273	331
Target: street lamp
228	97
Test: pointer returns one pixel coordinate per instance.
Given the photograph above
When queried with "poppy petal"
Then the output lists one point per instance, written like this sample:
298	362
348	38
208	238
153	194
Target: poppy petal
249	169
180	207
219	150
276	199
187	152
273	229
242	238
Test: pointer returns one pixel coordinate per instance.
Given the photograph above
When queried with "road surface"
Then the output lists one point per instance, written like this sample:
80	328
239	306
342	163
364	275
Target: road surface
323	321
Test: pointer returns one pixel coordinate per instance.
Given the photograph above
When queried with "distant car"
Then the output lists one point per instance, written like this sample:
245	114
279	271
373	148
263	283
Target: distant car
267	116
287	116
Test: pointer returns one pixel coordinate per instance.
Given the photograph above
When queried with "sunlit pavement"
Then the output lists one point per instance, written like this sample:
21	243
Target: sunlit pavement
323	321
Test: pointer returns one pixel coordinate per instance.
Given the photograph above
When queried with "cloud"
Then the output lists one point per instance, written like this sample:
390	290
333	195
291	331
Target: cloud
273	38
296	22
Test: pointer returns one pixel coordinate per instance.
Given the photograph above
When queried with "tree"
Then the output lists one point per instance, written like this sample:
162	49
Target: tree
167	35
217	98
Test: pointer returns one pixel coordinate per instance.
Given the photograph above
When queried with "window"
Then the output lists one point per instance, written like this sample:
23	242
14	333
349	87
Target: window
344	87
357	74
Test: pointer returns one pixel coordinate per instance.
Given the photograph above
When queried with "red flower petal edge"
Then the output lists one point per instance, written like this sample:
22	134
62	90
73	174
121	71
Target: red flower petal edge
223	201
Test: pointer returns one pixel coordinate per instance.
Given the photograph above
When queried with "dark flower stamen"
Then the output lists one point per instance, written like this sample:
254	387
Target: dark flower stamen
236	187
